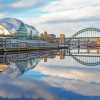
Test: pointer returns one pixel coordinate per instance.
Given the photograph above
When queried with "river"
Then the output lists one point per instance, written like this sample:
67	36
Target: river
50	75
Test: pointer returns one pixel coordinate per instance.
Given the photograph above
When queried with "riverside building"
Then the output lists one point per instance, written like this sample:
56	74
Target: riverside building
16	35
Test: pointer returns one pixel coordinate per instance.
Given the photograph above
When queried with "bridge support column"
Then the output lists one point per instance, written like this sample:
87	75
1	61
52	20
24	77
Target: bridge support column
78	46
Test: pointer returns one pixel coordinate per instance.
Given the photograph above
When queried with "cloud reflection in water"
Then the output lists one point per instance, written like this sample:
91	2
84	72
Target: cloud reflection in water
63	80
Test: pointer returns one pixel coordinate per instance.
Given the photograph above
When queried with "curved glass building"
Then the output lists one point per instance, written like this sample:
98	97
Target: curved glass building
16	35
15	28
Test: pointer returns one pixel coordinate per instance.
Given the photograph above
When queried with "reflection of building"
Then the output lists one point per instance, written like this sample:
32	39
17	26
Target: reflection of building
98	43
98	46
3	67
16	64
62	54
18	67
45	59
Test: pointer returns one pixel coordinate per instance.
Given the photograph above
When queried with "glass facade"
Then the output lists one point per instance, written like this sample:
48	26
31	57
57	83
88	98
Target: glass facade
17	29
21	33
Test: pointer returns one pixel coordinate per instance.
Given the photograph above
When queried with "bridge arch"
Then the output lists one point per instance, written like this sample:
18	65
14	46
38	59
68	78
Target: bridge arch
86	33
85	30
82	60
87	39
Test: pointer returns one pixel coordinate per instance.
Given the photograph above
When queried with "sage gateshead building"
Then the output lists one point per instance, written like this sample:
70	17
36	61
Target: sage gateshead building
16	35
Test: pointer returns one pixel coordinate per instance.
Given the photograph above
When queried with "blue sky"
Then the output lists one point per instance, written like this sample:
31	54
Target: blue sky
54	16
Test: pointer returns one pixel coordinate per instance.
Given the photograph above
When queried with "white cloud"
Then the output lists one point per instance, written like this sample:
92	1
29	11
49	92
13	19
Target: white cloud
69	17
65	17
67	22
25	3
84	14
61	5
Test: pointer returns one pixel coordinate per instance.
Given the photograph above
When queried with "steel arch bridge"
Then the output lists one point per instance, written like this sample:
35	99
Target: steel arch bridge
87	39
87	33
86	30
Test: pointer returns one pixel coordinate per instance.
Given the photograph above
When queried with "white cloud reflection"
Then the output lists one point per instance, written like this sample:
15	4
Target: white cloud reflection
79	79
12	89
83	74
76	86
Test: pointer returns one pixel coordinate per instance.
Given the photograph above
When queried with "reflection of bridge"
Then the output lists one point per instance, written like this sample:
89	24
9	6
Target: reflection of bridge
84	47
87	39
82	57
87	60
22	62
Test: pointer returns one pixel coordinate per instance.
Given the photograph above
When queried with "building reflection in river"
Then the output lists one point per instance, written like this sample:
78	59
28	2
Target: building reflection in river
15	64
18	63
58	75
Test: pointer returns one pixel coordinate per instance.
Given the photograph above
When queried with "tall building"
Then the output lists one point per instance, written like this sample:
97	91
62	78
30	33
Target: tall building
62	39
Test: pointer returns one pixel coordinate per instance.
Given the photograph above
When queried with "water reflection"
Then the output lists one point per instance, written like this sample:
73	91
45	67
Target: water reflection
86	57
50	75
15	64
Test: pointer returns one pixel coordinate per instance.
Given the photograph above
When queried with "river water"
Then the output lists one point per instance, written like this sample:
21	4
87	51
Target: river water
50	75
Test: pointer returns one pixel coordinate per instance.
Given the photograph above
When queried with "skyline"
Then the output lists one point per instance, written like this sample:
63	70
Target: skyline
54	16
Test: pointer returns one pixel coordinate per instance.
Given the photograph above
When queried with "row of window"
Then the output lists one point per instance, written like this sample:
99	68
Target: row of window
23	44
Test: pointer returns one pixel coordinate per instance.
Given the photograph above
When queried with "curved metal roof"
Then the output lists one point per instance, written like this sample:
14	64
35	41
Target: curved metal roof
13	24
